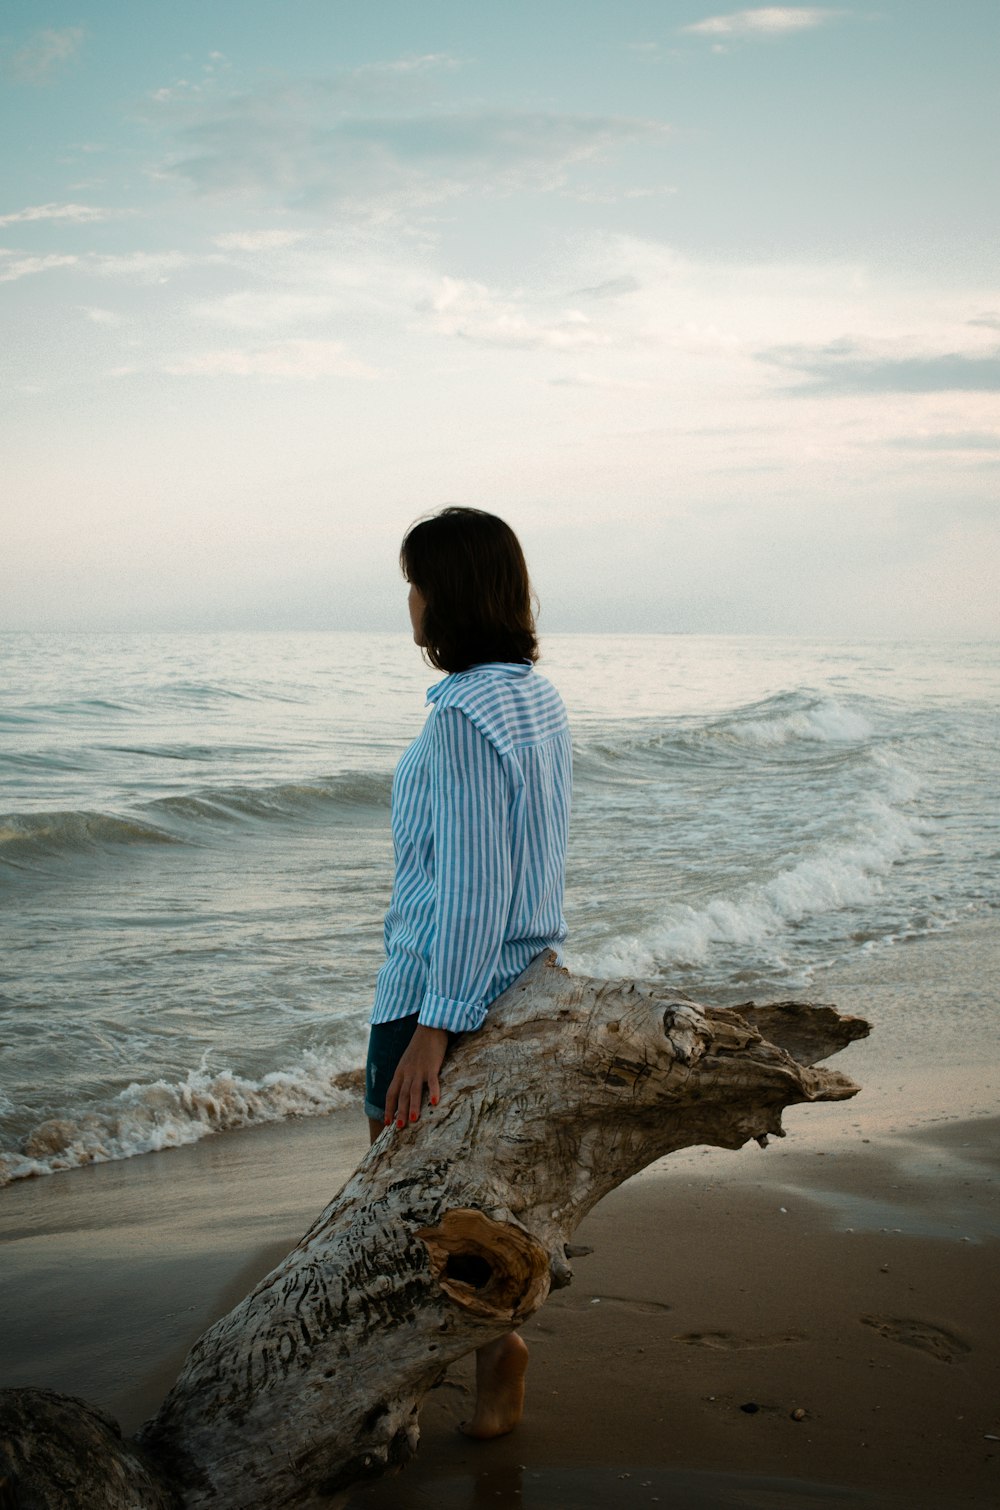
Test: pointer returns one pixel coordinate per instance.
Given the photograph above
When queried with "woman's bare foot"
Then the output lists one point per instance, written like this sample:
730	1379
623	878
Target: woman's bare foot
500	1370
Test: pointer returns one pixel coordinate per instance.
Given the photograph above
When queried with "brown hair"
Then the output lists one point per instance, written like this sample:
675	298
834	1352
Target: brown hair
469	568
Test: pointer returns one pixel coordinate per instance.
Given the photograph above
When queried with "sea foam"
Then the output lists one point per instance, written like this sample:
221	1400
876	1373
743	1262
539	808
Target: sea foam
822	721
848	874
169	1114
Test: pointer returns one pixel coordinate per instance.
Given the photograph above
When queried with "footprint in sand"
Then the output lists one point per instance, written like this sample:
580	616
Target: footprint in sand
615	1302
944	1346
596	1304
641	1307
731	1342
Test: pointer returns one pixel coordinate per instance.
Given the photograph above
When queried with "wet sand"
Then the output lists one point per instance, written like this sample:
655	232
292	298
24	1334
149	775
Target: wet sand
854	1282
858	1288
843	1282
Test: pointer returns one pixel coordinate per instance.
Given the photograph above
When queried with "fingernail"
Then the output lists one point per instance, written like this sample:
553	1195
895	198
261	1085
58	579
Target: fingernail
400	1124
387	1121
413	1116
434	1101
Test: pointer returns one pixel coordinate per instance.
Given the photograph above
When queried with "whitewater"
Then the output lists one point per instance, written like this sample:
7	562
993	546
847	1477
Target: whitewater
195	854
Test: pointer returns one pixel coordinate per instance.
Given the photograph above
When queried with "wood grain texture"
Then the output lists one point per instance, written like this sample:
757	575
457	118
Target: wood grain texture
454	1230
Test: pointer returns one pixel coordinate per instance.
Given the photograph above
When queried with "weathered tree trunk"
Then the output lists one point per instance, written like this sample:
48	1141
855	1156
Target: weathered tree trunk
452	1232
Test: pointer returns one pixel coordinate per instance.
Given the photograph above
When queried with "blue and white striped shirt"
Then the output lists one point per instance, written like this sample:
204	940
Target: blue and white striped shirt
480	812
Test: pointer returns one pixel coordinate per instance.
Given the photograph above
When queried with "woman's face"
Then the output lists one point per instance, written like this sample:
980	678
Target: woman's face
415	603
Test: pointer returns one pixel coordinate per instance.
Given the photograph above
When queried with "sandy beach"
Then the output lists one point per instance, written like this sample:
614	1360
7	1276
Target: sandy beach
809	1324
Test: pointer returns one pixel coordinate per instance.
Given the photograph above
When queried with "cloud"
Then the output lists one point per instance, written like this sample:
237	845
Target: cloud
767	21
144	267
473	313
975	441
279	287
285	359
585	195
263	309
300	144
517	331
599	380
258	241
73	212
37	61
130	267
840	368
650	193
395	67
98	316
26	267
611	288
396	82
206	82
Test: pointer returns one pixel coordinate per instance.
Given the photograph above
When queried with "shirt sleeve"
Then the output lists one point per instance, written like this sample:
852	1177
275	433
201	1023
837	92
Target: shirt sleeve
472	872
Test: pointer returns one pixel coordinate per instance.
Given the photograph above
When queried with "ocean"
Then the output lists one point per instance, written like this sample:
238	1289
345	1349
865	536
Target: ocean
195	854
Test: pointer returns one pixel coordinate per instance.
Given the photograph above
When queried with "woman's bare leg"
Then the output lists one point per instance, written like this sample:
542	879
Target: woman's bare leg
500	1370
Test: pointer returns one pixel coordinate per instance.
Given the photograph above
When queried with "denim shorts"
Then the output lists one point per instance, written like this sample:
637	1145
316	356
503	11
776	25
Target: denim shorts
386	1044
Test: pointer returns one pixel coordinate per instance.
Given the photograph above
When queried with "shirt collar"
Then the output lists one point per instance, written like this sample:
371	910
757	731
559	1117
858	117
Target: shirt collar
490	668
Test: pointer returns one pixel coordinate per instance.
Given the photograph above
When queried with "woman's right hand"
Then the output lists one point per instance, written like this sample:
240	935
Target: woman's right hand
419	1066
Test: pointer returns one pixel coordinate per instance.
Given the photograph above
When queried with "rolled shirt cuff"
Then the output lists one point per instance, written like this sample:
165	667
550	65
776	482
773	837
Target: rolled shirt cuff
456	1016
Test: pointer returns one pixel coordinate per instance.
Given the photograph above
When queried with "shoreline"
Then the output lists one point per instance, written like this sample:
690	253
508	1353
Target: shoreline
865	1298
848	1271
704	1297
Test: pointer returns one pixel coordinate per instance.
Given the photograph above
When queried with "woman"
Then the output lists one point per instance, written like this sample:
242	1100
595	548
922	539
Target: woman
480	809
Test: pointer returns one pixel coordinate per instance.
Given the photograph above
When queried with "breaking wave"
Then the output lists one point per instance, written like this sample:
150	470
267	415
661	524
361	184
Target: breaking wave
792	725
169	1114
845	875
790	718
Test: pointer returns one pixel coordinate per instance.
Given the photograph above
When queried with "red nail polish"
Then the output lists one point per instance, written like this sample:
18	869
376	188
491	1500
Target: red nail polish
434	1101
400	1124
413	1116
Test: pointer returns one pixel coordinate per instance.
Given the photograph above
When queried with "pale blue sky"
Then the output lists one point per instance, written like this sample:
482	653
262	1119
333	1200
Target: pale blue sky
705	301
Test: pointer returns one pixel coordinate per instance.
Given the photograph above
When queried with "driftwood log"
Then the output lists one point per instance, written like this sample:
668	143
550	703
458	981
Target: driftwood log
449	1234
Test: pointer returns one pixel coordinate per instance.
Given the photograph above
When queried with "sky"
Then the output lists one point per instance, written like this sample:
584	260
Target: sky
704	302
